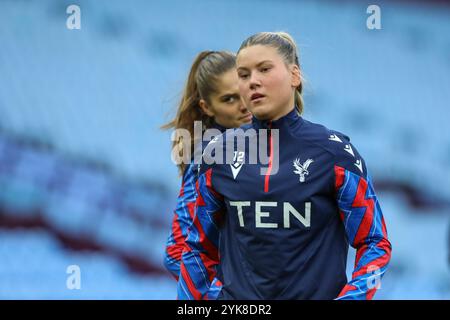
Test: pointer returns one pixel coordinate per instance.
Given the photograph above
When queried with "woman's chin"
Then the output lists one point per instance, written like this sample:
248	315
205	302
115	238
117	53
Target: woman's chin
261	113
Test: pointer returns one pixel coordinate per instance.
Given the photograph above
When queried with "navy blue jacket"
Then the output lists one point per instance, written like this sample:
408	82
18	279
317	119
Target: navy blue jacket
285	234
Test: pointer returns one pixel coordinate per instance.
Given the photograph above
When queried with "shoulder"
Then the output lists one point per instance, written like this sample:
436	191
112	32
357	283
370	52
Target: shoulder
190	172
329	139
344	153
222	147
228	139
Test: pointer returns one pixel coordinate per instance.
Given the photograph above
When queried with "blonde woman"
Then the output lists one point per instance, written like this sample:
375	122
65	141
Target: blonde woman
284	234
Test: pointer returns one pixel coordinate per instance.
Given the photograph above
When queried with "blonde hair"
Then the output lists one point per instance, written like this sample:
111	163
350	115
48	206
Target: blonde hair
286	47
205	71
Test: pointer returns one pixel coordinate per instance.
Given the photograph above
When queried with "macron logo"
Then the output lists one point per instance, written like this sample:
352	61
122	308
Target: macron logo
358	163
334	137
235	168
349	149
238	161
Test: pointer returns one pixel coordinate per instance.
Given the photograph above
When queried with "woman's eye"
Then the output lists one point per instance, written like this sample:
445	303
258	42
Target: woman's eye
243	76
230	100
265	69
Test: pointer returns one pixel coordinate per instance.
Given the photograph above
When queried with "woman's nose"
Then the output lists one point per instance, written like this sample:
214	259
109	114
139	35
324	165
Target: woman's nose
242	106
254	81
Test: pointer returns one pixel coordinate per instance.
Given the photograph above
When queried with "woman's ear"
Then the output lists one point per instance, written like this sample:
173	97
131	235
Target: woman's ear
206	108
296	77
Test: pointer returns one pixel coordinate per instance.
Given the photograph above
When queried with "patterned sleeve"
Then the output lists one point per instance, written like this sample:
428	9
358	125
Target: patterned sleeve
200	257
364	224
182	219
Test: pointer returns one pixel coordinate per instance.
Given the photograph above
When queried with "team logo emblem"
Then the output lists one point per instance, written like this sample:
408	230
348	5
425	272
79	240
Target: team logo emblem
302	169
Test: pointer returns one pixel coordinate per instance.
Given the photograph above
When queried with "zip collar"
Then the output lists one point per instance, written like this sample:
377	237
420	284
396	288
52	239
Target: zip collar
215	125
288	121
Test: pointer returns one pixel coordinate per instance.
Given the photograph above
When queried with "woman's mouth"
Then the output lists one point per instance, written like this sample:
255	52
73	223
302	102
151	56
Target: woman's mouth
257	97
246	118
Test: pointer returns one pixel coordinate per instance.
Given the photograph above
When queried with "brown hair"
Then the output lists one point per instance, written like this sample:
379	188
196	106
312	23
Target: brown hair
206	69
286	47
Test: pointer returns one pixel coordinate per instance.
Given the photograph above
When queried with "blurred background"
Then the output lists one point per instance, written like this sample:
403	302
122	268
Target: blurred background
86	177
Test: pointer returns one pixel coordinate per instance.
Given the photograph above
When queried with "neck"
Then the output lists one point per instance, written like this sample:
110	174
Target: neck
284	121
282	114
284	110
279	115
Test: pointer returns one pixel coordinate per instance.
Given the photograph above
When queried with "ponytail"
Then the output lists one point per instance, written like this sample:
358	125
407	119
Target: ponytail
200	84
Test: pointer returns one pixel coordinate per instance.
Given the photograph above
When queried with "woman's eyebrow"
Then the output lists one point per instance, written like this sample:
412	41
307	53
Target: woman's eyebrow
257	65
262	62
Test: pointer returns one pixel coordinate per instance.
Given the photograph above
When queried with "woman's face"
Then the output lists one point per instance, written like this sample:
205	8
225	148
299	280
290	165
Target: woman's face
226	105
266	83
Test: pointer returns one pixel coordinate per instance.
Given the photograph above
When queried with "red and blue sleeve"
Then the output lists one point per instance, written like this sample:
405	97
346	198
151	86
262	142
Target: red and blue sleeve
200	257
364	224
182	219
